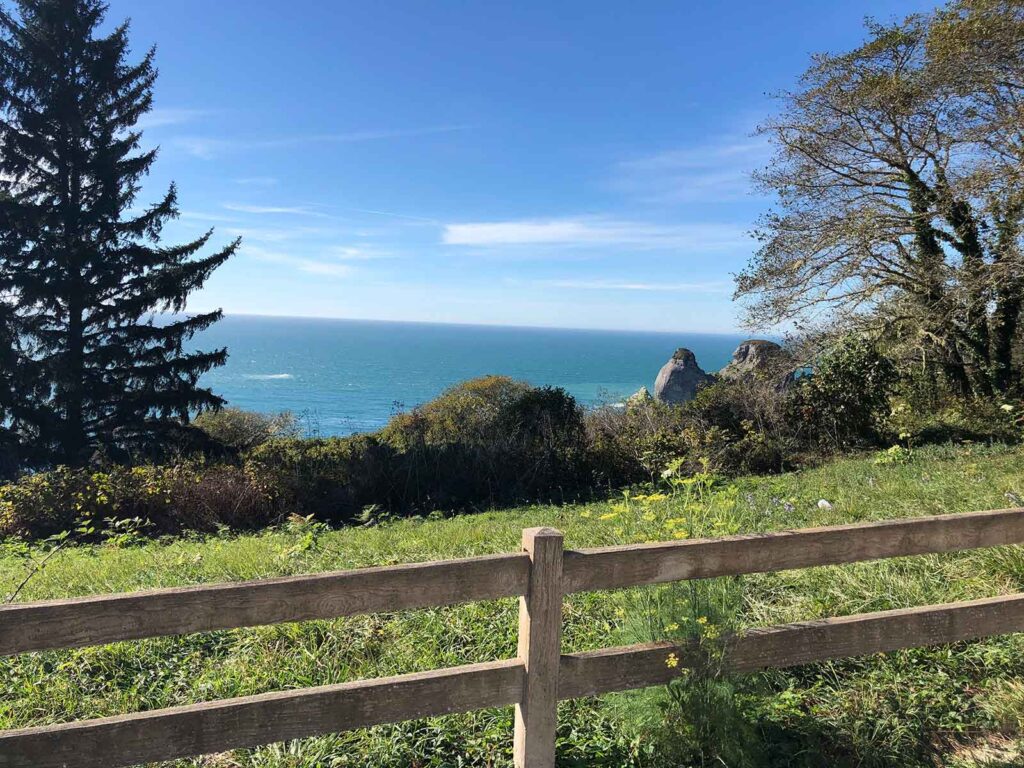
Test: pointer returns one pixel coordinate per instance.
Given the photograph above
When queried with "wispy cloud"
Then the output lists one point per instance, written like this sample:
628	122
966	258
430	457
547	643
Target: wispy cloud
159	118
393	215
718	171
211	217
282	210
258	181
360	253
324	268
275	234
596	231
716	286
207	148
299	263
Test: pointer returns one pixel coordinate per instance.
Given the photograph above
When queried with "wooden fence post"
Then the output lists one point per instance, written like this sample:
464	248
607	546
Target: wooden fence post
540	641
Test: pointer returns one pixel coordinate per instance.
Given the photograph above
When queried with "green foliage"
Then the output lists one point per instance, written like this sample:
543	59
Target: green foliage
125	502
466	414
703	720
739	427
897	454
486	441
955	420
846	399
239	431
332	478
633	443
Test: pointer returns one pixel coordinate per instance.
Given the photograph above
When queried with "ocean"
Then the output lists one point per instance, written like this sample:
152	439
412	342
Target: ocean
346	376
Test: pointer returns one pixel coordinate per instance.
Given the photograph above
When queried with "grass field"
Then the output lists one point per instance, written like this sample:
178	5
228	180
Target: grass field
954	706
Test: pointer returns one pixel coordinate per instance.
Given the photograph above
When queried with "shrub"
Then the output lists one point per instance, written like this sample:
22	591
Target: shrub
729	427
739	427
847	398
171	499
332	478
634	442
489	440
240	431
465	414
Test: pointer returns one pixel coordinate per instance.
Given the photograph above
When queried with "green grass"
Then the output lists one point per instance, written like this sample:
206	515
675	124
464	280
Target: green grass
956	706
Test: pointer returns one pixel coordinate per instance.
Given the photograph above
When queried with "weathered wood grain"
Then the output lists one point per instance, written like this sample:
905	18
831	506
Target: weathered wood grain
540	640
624	668
109	618
810	641
222	725
627	566
640	666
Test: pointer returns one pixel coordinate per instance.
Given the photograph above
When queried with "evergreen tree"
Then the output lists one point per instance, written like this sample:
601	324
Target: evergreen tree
99	366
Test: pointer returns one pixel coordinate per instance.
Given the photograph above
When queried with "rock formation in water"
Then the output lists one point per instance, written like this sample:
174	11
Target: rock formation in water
679	378
759	359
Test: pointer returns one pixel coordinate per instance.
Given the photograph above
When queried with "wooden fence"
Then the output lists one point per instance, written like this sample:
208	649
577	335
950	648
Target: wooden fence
534	682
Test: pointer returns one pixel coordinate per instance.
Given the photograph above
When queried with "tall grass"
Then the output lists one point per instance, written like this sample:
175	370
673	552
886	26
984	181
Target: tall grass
922	707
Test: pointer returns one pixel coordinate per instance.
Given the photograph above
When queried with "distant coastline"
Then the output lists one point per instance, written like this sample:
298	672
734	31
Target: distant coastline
366	320
346	376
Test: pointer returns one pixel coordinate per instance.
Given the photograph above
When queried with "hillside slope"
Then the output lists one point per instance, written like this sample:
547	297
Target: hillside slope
955	706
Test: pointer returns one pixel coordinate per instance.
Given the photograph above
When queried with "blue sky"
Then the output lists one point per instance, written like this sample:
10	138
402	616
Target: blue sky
573	164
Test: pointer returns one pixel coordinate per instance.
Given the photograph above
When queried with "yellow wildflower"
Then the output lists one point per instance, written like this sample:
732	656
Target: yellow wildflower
672	661
609	516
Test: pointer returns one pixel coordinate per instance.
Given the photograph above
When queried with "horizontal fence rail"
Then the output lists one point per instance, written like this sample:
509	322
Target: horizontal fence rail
110	618
633	565
534	682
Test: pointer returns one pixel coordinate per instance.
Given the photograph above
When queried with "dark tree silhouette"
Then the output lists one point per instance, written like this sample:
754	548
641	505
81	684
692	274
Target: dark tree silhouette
82	267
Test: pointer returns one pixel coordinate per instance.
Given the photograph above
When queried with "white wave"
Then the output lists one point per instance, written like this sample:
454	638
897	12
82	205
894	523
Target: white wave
267	376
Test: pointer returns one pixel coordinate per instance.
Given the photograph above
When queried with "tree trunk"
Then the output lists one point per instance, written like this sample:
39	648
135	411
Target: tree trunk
975	332
1009	298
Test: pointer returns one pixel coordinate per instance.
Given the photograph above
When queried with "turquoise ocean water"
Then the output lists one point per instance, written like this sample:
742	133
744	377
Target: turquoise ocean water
345	376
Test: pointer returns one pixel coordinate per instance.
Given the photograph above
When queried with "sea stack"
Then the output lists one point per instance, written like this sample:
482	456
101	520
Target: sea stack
759	359
680	378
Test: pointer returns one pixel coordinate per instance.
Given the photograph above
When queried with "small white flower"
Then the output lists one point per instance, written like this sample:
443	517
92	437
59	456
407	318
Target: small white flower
822	504
1006	407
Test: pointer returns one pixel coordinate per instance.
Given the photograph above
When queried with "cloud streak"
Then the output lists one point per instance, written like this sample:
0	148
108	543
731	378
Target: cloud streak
584	232
299	263
159	118
714	172
717	286
281	210
208	148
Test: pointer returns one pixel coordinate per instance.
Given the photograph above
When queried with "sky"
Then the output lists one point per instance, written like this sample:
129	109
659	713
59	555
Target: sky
541	163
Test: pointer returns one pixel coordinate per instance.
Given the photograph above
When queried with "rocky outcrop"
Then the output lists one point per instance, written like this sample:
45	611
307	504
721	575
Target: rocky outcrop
759	359
680	378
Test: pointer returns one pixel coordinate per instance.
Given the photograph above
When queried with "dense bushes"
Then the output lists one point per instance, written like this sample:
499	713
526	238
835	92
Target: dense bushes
847	399
494	441
237	431
333	478
163	499
487	441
